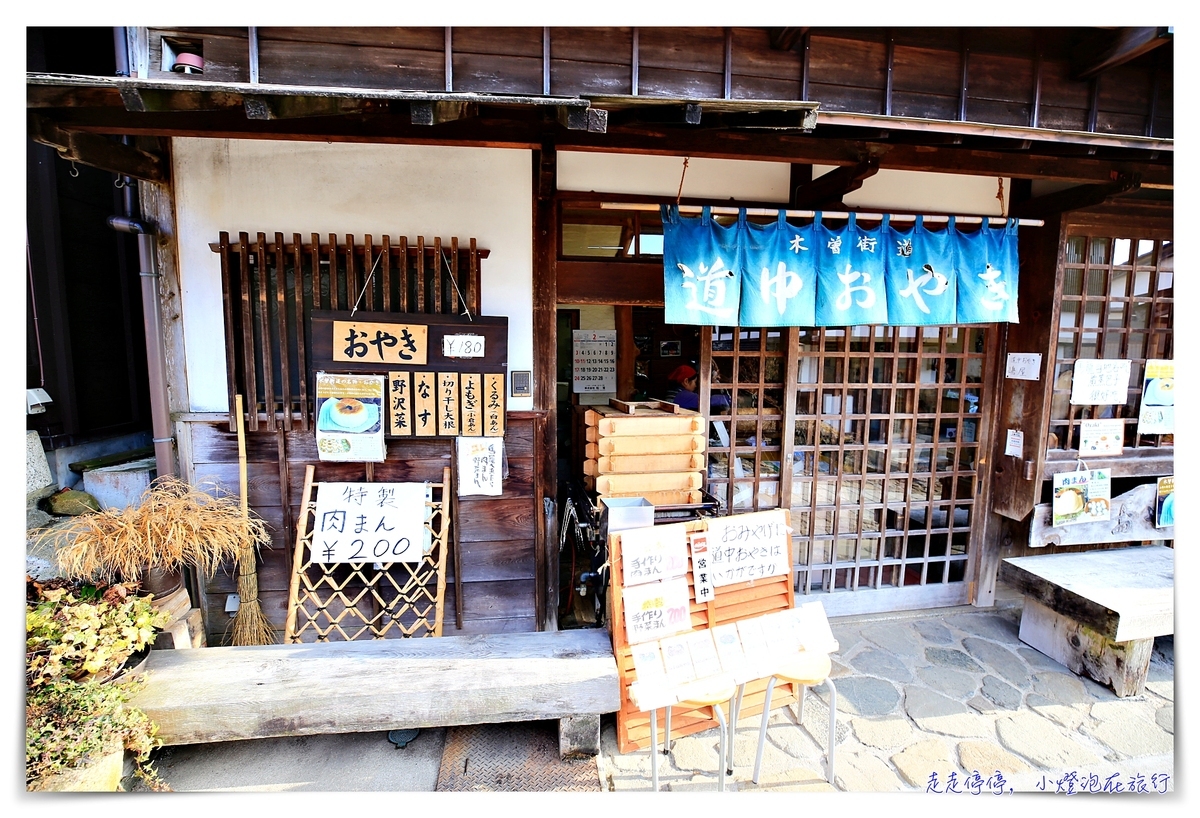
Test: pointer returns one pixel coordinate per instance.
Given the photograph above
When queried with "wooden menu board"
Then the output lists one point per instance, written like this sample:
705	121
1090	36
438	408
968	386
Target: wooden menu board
731	603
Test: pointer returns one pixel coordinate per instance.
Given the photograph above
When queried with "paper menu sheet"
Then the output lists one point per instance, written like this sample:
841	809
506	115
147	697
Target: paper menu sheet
677	659
704	653
648	662
814	627
729	648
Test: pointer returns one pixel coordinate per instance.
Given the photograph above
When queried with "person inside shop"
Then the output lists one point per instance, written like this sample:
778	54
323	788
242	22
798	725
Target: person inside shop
685	381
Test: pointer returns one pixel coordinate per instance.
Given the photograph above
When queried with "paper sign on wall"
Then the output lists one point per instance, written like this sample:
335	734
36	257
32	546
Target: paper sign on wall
480	466
349	423
595	354
371	522
1101	437
1100	382
701	566
1014	443
1081	497
748	546
656	609
1157	415
652	553
1024	366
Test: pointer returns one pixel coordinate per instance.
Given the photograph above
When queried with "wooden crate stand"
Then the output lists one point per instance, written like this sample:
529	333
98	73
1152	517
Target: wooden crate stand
730	603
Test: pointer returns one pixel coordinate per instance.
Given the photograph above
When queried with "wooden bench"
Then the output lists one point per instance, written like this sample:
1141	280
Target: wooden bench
1097	612
232	693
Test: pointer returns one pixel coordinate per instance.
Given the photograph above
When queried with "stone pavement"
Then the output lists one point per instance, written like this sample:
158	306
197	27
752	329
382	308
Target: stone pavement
925	696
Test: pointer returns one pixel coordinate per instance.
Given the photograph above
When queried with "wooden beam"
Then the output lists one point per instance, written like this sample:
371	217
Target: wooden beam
98	151
786	38
522	133
1074	198
835	184
1125	45
435	113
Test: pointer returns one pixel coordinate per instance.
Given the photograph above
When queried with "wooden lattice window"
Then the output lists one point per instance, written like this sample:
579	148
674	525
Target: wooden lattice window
1117	302
267	348
746	387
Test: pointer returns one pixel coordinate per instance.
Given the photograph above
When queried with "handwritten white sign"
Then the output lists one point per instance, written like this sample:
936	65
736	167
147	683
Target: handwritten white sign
480	466
463	346
1024	366
1100	382
656	609
748	546
653	552
648	662
370	522
678	660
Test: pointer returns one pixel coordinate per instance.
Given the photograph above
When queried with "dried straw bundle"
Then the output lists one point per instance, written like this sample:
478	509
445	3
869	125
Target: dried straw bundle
175	525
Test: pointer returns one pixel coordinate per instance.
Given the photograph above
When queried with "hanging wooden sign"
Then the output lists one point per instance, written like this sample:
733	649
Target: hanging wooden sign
379	341
445	375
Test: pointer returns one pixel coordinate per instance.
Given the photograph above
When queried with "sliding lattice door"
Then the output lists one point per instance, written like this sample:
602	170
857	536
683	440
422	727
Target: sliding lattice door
873	437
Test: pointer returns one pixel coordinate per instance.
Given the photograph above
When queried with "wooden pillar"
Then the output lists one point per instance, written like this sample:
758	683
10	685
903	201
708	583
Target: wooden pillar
545	298
626	351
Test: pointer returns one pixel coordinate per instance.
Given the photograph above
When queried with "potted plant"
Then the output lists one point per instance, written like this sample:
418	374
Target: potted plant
175	525
78	721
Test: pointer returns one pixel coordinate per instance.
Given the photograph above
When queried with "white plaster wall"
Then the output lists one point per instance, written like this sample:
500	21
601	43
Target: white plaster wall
902	191
659	176
307	187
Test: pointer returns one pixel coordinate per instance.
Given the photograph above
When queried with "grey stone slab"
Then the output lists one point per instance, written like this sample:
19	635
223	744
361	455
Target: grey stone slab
862	771
1001	626
933	631
953	683
985	757
1069	716
1164	689
935	713
1040	661
837	669
865	696
1062	687
1164	717
897	637
981	704
1000	660
952	658
917	761
882	733
697	752
816	719
1133	736
787	779
1004	695
1042	742
846	634
881	663
37	468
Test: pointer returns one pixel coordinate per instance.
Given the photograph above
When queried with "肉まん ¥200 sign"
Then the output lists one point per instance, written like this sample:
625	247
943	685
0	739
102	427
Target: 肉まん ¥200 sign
371	522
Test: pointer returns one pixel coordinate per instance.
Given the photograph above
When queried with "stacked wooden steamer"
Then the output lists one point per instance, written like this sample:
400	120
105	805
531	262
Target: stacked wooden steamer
647	449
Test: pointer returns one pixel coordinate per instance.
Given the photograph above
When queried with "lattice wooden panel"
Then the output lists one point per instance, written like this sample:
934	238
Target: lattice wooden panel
349	601
731	603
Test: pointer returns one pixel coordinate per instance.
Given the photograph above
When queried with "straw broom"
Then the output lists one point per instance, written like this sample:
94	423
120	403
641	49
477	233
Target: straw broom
250	624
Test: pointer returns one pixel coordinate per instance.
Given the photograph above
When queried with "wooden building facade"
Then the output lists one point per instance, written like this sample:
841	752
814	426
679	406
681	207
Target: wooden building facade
535	158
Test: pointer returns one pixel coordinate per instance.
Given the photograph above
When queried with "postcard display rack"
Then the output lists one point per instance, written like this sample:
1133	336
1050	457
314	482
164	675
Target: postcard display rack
720	608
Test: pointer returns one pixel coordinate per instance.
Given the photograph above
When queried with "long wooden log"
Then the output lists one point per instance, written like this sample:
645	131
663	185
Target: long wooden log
225	694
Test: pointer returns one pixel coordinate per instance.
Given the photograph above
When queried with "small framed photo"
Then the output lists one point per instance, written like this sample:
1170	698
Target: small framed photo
670	349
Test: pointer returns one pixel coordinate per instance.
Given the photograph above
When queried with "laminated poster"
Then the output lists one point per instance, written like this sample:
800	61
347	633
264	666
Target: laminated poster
1157	415
1164	507
349	427
1101	437
1081	497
